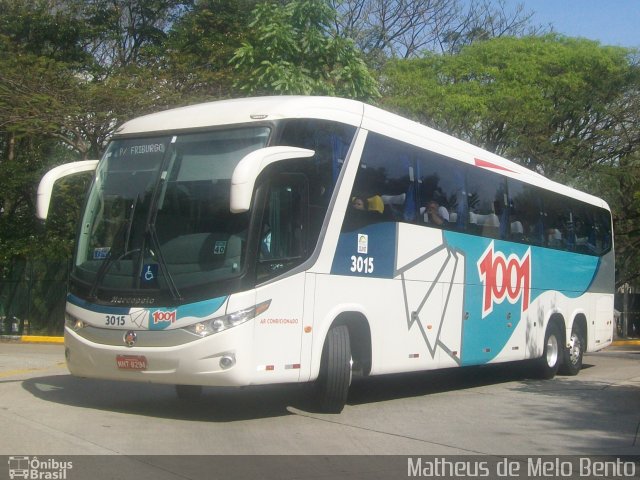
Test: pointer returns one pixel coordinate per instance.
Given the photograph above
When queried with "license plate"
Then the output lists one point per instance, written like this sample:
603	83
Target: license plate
131	362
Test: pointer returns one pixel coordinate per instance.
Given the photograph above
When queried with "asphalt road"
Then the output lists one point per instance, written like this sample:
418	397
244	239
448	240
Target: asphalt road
495	410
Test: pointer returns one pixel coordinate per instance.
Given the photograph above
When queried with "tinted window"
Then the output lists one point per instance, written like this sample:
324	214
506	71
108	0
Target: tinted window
330	141
282	243
588	229
399	182
487	199
556	220
385	168
441	193
384	185
525	213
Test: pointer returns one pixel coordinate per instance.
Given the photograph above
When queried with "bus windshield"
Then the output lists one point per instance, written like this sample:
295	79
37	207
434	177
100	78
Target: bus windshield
157	216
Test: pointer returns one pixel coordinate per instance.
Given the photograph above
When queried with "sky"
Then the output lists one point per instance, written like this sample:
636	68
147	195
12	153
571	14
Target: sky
611	22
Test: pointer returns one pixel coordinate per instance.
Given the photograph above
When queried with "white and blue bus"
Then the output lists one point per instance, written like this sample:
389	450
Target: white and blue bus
303	239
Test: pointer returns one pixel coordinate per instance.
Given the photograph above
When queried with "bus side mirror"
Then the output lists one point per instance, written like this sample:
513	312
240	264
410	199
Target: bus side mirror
244	176
45	188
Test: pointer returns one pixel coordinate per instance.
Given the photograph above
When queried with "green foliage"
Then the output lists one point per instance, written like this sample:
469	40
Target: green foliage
200	45
292	50
37	28
542	101
122	33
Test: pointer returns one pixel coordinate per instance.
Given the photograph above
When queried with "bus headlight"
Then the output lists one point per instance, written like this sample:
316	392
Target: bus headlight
73	323
215	325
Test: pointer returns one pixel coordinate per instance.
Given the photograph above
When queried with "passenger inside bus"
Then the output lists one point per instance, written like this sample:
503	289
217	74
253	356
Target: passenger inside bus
363	210
358	203
435	214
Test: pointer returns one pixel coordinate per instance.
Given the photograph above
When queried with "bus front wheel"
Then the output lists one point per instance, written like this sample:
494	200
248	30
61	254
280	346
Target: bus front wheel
549	363
335	371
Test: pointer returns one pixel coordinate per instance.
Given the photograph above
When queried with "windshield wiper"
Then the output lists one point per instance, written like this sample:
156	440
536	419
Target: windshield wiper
111	257
104	267
150	231
175	293
127	238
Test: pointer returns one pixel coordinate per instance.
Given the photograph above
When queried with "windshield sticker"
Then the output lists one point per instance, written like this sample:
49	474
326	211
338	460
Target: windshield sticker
149	273
363	243
220	247
101	253
142	149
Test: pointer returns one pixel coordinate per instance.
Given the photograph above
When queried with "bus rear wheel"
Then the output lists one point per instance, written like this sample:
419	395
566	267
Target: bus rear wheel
335	371
572	358
548	364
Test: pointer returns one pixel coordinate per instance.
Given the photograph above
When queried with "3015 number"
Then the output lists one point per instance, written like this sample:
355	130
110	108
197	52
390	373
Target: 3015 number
114	320
361	264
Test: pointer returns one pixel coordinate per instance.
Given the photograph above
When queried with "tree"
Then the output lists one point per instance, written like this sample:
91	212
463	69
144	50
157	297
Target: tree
54	109
292	49
408	28
546	102
200	45
483	20
45	28
123	33
40	50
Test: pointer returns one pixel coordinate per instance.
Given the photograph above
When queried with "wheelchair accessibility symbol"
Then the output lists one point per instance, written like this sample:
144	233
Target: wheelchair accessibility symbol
149	273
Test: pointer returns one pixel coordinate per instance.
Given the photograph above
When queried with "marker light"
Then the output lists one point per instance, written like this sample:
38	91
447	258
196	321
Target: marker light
215	325
227	361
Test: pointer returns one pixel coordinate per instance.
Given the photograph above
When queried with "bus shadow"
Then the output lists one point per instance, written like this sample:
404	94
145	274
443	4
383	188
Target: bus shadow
416	384
229	404
216	404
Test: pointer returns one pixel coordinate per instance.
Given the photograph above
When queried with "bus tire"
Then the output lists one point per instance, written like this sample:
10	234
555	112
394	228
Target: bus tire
549	362
572	356
188	393
335	371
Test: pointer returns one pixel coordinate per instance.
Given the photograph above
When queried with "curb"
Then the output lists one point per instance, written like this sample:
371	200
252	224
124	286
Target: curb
31	339
626	342
41	339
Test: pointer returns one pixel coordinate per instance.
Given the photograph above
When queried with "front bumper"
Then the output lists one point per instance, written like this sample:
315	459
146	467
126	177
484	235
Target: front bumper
198	361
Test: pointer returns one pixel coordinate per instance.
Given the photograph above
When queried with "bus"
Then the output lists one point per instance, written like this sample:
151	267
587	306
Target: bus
307	239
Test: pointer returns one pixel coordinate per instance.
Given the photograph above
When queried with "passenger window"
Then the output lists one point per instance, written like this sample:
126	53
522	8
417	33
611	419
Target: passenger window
526	214
558	221
487	199
282	242
331	142
441	194
593	231
384	185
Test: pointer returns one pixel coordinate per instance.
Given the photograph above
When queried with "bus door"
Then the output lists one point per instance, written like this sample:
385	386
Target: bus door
282	246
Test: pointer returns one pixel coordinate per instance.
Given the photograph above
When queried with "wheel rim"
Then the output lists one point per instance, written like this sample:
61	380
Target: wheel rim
552	350
350	370
575	349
